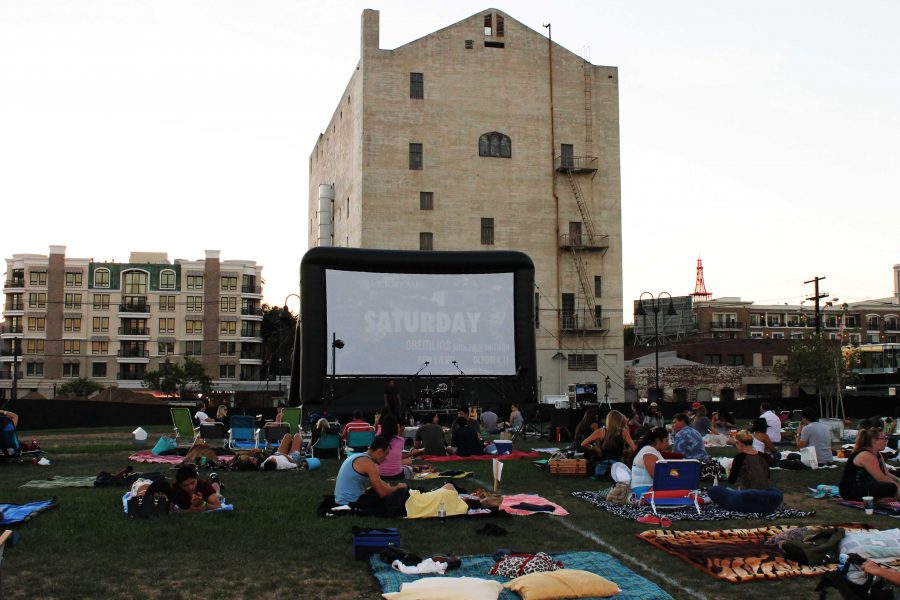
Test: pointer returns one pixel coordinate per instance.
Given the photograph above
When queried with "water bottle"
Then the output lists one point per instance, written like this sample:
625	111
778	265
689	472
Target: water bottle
202	461
442	511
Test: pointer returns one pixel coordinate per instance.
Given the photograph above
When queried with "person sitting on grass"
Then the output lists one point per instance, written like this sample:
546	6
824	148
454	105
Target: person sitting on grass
357	424
586	426
516	420
609	444
361	470
813	433
701	422
288	455
762	442
650	450
192	494
723	422
392	465
865	473
688	442
466	440
750	473
430	439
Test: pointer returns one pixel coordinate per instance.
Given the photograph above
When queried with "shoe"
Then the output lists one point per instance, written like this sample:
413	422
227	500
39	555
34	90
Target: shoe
649	519
214	478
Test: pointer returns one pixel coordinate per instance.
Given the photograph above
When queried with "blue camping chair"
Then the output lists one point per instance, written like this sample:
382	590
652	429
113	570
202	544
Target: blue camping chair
328	441
10	448
271	434
358	441
675	483
243	435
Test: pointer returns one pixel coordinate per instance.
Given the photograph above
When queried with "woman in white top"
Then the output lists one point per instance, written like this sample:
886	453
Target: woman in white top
650	450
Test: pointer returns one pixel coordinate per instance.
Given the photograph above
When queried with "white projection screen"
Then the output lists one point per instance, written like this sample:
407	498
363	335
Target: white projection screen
392	323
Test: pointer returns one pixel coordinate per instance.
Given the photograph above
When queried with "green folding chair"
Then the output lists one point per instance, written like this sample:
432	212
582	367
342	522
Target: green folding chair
291	416
184	424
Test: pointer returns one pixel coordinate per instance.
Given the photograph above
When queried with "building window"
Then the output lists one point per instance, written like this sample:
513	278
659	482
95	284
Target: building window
98	370
74	279
193	326
71	346
167	303
712	359
193	348
229	283
73	301
500	28
34	346
777	335
71	369
537	310
567	312
37	300
872	338
228	328
582	362
488	29
227	348
194	304
101	301
135	282
195	282
250	329
101	278
37	323
167	279
227	371
796	335
165	348
72	324
495	144
426	240
598	314
37	278
167	325
415	157
34	369
228	305
756	335
426	200
100	348
100	324
487	231
736	360
598	287
416	86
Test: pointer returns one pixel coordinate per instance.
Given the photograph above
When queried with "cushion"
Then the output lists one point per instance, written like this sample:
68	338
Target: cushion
447	588
564	583
514	565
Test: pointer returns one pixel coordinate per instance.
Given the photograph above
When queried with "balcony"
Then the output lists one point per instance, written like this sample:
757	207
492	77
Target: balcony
583	241
133	353
583	321
251	355
14	283
575	164
12	329
14	306
251	312
251	289
130	375
134	331
134	307
729	324
10	375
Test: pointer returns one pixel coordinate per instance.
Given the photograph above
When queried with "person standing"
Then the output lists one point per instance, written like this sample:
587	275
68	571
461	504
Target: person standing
392	399
813	433
773	423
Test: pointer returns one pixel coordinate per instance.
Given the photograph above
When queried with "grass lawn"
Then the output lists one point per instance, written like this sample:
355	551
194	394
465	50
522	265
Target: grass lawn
274	545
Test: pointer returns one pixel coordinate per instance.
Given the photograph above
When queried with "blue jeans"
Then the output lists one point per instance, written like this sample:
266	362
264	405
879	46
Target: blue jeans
746	501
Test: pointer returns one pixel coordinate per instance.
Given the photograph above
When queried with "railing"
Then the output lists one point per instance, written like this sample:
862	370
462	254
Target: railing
584	164
129	376
582	321
13	329
15	283
251	333
134	331
255	312
15	306
251	355
132	307
730	324
583	240
9	375
251	289
134	353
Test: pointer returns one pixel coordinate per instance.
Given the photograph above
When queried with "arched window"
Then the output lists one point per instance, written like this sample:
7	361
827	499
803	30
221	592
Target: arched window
167	279
101	278
495	144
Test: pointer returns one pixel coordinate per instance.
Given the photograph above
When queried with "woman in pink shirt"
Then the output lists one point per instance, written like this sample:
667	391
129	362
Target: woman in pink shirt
393	464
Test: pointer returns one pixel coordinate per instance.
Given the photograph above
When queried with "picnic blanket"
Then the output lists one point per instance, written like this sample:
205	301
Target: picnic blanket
443	475
736	555
18	513
887	510
633	586
224	506
60	481
514	455
517	499
708	511
145	456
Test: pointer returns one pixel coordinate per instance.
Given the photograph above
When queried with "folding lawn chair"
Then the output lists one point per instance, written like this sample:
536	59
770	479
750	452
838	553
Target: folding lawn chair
272	433
184	424
10	448
213	434
328	441
675	483
291	416
243	435
358	440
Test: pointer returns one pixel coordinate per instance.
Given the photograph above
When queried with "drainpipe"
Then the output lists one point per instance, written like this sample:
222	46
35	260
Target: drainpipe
553	170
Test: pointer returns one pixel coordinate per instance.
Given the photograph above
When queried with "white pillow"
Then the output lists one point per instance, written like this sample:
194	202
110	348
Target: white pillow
447	588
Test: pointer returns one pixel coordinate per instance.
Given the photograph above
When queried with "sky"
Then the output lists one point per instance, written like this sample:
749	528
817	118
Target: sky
761	136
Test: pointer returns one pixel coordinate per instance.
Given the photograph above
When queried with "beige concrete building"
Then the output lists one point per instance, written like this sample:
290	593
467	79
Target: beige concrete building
112	322
482	136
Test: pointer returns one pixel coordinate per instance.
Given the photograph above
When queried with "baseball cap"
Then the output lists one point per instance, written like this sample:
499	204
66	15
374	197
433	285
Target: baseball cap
696	405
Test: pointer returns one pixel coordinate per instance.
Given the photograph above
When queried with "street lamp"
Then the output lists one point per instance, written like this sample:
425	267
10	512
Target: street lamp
336	344
655	305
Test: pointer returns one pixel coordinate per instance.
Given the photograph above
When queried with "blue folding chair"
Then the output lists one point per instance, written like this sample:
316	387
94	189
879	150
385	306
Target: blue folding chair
10	448
243	435
358	441
328	441
675	483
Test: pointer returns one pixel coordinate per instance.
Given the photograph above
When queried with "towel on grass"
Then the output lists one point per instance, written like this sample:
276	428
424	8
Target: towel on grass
514	455
17	513
510	502
633	586
146	456
708	511
60	481
443	475
887	510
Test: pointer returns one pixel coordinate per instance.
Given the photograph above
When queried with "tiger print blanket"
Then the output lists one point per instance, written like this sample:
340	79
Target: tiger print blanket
736	555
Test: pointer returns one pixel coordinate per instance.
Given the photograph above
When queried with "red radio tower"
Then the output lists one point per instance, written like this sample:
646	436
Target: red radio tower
700	293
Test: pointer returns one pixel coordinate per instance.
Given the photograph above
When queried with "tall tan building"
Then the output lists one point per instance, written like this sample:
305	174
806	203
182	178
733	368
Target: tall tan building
483	136
112	322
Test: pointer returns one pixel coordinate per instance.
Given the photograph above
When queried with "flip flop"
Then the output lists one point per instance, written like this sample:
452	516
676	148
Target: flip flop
649	519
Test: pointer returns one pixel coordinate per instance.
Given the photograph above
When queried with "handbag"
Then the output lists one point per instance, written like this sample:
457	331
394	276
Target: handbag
619	494
164	444
147	507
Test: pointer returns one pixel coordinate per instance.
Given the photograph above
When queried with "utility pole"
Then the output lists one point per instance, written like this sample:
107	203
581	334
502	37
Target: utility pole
14	393
816	296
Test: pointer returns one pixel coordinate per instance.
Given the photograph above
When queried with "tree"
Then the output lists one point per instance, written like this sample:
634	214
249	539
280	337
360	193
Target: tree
819	362
278	326
173	377
78	388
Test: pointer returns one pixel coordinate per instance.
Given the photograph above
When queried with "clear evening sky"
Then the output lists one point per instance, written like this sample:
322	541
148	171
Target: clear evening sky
762	136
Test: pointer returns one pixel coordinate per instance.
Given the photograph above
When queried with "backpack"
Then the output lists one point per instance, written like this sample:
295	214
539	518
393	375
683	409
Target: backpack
146	507
872	589
821	548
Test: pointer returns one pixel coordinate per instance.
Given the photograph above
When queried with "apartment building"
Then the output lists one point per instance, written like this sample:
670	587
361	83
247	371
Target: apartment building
112	322
485	135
